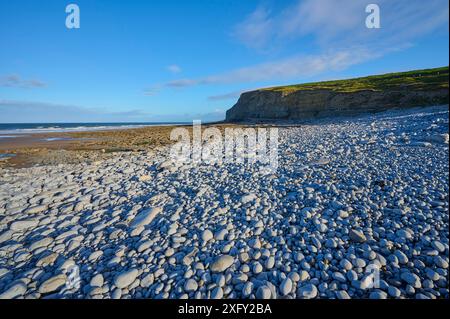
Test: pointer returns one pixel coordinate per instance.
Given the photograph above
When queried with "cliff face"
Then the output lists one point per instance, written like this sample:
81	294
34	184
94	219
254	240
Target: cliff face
319	103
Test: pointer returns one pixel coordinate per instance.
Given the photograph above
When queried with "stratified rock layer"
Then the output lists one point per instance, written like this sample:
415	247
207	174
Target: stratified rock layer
310	104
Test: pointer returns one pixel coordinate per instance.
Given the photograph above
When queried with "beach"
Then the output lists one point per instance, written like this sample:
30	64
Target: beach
62	147
358	208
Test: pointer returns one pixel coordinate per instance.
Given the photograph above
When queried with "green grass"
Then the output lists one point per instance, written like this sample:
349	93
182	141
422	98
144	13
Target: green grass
418	80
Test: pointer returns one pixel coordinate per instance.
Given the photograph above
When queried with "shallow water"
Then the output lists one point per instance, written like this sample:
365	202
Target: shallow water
3	156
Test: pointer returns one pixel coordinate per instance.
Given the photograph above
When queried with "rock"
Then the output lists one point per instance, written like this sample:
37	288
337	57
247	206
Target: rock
394	292
97	281
145	217
36	209
308	291
190	285
302	104
126	278
431	274
222	263
286	287
49	259
357	236
247	289
339	277
440	262
402	258
342	294
403	233
248	198
257	268
438	246
207	235
95	255
263	292
378	294
44	242
411	279
217	293
255	243
53	284
5	236
144	178
116	294
270	262
18	289
304	275
345	264
147	281
24	224
220	235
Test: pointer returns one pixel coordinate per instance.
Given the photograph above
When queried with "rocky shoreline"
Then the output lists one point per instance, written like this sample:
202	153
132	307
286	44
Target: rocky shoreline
349	196
351	97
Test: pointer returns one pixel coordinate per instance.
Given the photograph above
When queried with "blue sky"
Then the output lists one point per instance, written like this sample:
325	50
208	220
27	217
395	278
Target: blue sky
183	60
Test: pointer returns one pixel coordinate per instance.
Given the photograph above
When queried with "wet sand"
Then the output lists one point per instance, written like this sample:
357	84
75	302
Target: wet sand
71	147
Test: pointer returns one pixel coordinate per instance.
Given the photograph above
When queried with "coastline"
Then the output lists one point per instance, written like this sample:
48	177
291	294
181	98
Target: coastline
73	147
130	221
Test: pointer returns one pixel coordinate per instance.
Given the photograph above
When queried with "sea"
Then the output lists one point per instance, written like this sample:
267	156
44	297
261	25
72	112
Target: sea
9	130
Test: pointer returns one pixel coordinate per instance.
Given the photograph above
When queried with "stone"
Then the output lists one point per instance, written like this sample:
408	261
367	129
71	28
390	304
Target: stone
438	246
378	294
207	235
145	217
36	209
248	198
411	279
22	225
342	294
263	292
217	293
394	292
308	291
48	259
97	281
257	268
17	289
222	263
95	255
125	278
270	262
247	289
357	236
286	287
44	242
190	285
5	236
53	284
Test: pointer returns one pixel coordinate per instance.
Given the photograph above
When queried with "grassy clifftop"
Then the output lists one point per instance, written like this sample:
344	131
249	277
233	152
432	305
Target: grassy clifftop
418	80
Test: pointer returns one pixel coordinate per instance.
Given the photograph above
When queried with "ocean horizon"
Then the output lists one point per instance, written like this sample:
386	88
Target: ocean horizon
23	128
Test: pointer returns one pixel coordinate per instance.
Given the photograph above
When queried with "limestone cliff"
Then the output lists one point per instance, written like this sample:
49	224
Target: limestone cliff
336	99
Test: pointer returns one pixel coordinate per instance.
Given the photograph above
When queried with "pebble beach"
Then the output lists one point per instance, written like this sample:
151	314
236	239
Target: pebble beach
358	208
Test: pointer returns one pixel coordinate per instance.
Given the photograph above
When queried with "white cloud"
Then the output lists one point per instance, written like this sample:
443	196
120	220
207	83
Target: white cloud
151	91
293	67
16	81
336	29
256	30
174	68
226	96
339	23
